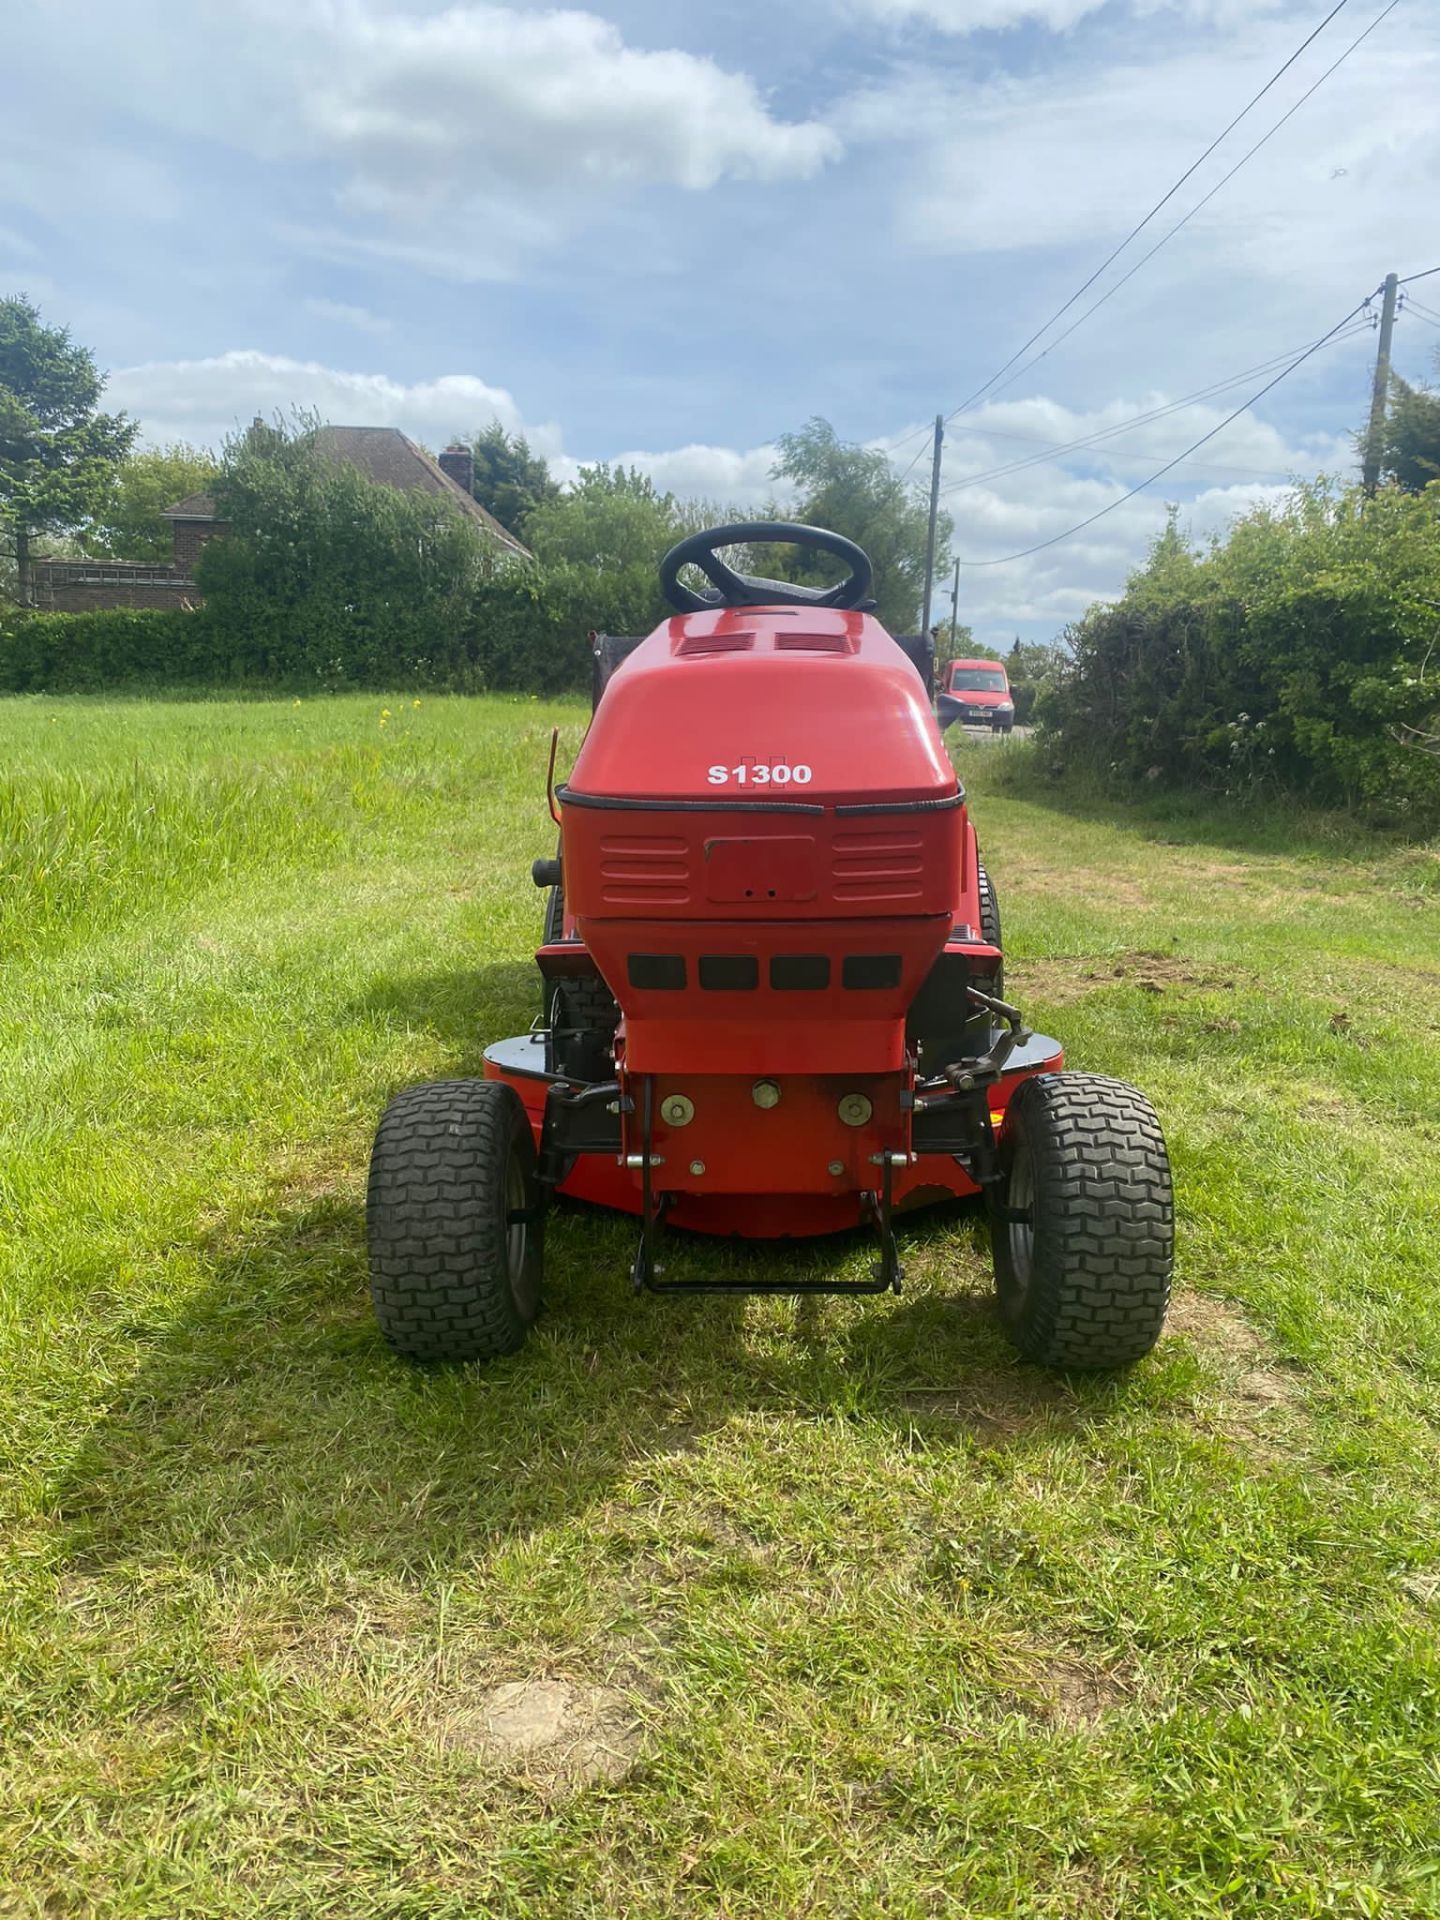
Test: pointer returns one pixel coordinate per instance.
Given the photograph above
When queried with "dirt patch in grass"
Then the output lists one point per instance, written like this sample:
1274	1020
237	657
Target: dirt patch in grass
1259	1391
1061	980
1076	1694
999	1404
559	1735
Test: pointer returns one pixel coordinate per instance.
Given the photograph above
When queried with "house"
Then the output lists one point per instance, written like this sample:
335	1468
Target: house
383	454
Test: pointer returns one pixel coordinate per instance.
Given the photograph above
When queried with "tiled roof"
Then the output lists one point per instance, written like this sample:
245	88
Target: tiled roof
393	459
390	457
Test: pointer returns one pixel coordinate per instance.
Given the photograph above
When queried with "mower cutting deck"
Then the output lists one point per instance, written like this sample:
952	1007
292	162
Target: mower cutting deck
774	1004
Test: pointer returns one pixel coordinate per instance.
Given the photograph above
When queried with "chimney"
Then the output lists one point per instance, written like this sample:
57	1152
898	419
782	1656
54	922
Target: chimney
459	463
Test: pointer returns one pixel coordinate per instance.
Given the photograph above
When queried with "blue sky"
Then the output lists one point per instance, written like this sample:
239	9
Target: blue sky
668	234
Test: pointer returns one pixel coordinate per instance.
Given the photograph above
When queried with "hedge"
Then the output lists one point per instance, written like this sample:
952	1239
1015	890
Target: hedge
1300	655
524	630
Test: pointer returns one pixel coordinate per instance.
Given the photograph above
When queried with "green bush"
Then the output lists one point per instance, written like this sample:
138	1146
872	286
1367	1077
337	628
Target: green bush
99	652
1301	654
523	630
327	581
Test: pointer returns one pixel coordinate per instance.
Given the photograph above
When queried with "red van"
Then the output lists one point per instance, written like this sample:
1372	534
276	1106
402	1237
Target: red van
977	693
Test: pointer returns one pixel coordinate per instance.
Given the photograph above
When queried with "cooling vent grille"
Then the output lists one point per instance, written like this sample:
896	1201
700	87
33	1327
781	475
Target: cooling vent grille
644	871
877	866
789	642
702	643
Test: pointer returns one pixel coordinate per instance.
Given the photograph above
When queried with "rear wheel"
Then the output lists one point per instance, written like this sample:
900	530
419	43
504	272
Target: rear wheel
583	1019
453	1221
1084	1232
989	906
554	916
581	1012
990	921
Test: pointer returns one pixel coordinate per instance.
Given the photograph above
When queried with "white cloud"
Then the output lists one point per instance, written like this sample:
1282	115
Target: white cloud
441	134
342	315
1066	156
978	16
982	16
203	400
423	107
728	476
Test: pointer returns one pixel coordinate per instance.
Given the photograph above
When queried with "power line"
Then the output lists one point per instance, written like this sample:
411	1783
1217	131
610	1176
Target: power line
1194	447
1164	199
1051	451
1224	180
1419	276
920	433
1136	420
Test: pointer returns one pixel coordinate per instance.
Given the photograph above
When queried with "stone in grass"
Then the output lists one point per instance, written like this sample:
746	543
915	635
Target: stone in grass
560	1734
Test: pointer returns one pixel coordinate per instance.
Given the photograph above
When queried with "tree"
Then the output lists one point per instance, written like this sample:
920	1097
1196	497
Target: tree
131	524
611	519
510	480
341	578
58	453
855	491
1033	667
1410	442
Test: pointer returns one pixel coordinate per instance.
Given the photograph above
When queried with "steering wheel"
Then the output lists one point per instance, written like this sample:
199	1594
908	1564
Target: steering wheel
731	589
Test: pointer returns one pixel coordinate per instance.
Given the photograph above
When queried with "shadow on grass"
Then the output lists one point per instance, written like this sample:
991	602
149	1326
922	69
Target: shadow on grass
465	1008
266	1422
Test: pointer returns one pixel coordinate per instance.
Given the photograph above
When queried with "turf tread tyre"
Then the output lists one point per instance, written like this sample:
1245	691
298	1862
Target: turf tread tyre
447	1160
989	905
582	1012
583	1018
554	916
1095	1287
990	919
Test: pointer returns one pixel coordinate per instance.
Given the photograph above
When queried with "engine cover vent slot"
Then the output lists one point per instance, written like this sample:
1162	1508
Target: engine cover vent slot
636	870
792	641
698	644
877	866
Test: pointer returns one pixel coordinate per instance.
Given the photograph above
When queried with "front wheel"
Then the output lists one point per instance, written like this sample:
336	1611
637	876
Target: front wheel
1083	1233
454	1225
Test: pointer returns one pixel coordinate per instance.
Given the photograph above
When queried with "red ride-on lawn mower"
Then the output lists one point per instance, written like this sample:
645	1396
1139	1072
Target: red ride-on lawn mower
774	1004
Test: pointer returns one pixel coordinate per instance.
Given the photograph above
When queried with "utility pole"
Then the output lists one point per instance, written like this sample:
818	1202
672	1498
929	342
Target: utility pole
934	518
1380	392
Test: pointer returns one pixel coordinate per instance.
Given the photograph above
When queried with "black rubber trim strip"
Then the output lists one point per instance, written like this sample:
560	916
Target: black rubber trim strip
568	797
951	800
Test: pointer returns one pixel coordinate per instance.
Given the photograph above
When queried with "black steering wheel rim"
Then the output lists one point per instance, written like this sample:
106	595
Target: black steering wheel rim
731	589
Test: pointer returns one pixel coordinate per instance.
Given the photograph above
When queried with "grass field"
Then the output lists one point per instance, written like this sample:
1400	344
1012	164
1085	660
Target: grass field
704	1607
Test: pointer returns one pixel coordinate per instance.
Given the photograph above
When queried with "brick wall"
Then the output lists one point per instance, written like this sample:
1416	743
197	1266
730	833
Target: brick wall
75	586
190	537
